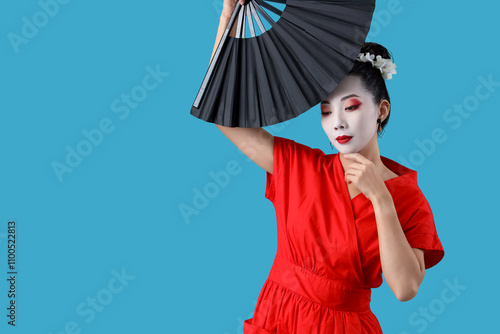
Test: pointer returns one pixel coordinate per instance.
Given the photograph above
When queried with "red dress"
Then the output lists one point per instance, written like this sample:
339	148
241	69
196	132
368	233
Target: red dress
327	257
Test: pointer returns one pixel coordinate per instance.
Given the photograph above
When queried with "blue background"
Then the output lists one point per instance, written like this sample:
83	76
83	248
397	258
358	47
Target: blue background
117	213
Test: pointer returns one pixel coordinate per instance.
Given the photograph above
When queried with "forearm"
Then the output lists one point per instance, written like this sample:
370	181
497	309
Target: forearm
223	22
400	265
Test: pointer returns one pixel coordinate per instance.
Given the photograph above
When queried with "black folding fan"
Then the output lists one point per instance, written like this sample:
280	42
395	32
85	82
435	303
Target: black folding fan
260	80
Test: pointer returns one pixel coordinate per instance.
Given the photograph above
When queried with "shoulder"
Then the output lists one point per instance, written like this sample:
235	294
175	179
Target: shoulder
293	147
409	199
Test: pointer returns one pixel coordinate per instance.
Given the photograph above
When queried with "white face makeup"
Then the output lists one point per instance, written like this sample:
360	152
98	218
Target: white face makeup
349	111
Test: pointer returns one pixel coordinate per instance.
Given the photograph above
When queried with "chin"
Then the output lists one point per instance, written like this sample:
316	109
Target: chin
348	151
344	149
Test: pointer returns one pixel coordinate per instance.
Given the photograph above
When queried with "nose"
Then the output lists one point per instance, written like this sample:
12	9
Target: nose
338	121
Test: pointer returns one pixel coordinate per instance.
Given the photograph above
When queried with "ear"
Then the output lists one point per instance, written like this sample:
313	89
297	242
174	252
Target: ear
384	108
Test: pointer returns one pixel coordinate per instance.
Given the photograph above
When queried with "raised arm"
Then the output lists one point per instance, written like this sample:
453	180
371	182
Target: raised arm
255	143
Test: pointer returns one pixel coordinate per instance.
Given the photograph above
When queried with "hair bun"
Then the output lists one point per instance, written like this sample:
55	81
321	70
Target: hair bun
376	49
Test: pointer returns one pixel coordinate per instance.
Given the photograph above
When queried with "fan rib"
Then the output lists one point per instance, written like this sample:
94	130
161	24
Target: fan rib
269	7
250	21
257	18
240	21
264	14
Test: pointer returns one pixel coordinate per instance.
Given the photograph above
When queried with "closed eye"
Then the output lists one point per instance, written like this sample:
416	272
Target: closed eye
353	107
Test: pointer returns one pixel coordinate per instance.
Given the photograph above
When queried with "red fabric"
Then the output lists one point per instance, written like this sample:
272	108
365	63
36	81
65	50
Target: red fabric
327	258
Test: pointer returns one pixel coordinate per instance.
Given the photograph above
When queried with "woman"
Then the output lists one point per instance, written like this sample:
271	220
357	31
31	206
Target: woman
342	219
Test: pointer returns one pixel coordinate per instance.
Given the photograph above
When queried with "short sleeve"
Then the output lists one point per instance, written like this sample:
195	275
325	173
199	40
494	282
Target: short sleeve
292	162
420	231
280	155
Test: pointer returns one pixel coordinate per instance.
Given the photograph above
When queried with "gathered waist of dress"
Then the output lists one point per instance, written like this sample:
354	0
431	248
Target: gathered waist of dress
321	290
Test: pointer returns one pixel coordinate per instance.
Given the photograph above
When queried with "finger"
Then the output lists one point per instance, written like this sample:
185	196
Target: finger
356	166
352	173
351	178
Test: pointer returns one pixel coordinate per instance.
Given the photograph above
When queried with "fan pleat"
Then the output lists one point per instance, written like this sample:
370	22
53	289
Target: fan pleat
231	84
291	99
247	77
249	101
311	75
263	89
271	71
342	12
327	58
318	32
335	65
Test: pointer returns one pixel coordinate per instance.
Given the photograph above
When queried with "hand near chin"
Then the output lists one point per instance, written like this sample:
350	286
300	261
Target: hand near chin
363	173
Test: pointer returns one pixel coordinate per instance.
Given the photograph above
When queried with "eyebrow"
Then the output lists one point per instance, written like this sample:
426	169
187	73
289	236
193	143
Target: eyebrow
342	99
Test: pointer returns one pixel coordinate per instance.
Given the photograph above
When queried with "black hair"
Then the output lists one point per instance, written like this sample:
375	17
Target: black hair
372	79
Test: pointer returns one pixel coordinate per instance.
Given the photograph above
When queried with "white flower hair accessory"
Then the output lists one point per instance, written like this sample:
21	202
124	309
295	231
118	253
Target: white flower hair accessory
386	66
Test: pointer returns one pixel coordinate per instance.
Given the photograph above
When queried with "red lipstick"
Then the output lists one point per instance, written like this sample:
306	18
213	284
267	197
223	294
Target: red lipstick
343	139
